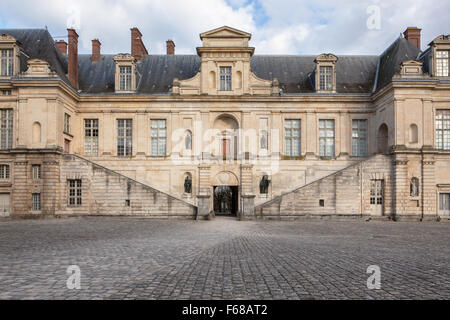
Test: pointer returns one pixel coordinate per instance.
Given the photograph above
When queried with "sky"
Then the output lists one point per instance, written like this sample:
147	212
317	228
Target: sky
277	26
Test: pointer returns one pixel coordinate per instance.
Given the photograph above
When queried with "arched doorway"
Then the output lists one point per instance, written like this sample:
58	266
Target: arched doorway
226	144
383	139
226	194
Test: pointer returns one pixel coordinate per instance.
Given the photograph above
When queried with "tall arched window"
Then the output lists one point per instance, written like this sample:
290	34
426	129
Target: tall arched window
188	140
413	133
383	139
36	132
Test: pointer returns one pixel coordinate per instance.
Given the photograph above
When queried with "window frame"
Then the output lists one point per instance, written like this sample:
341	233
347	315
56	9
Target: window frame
360	152
5	171
91	140
225	78
6	128
326	138
7	61
442	129
445	66
125	138
36	201
289	152
125	78
66	123
156	136
36	171
75	198
326	78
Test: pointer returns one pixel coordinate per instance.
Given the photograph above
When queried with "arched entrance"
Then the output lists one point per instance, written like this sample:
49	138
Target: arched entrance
226	194
382	139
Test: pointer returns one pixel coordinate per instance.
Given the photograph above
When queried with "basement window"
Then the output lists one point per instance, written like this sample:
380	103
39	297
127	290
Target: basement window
322	203
127	203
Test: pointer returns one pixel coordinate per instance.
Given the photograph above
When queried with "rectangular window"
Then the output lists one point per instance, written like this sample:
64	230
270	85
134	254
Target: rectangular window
359	138
125	78
75	192
7	62
443	129
292	137
91	137
124	137
376	192
6	129
442	63
36	201
36	168
225	78
66	123
326	78
326	138
444	202
158	135
4	171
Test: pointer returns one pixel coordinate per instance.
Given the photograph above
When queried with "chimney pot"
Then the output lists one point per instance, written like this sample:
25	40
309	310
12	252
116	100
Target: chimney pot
96	45
137	46
72	68
412	34
170	47
62	46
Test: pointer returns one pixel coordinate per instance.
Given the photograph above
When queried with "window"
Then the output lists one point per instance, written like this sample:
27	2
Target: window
124	137
36	170
443	129
91	137
292	137
326	138
188	140
6	92
359	138
66	123
326	79
376	192
444	202
4	171
225	78
75	192
7	62
125	78
66	146
36	201
158	132
442	66
6	129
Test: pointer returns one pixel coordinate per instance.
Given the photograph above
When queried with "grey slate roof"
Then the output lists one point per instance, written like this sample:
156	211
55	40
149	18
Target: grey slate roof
354	74
38	43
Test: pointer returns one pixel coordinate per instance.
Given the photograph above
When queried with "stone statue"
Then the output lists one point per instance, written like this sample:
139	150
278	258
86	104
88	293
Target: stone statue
414	187
188	185
264	185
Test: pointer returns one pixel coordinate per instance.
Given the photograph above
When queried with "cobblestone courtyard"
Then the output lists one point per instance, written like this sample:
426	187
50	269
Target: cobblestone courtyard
128	258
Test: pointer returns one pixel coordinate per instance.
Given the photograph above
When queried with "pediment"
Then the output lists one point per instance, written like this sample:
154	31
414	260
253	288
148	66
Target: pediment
440	39
7	38
225	32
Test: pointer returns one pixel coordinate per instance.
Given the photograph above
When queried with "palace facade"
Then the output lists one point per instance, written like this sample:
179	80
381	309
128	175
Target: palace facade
225	131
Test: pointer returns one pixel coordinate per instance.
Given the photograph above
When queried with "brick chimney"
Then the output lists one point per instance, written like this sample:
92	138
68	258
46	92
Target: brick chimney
412	34
170	47
137	46
73	57
95	50
62	46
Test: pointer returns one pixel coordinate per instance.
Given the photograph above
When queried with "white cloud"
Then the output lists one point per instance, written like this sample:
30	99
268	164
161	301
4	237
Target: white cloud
291	26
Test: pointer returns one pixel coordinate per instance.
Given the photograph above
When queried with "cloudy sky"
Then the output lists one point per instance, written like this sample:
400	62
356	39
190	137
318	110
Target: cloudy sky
277	26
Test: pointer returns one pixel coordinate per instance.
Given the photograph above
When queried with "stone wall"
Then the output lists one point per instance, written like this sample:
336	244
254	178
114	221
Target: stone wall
343	193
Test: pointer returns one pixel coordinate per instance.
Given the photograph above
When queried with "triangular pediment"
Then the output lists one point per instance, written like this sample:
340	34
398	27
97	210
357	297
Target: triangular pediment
225	32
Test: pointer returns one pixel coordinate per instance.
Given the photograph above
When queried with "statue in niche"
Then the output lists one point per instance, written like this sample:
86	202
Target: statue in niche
264	185
414	187
188	185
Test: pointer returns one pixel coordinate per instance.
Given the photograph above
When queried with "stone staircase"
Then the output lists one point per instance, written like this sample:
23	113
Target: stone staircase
344	193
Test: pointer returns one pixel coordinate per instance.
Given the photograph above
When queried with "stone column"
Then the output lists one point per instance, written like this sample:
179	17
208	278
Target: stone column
248	207
204	193
401	189
429	195
203	211
311	135
247	193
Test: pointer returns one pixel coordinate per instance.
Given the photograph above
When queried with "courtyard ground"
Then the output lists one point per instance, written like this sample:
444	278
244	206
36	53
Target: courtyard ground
131	258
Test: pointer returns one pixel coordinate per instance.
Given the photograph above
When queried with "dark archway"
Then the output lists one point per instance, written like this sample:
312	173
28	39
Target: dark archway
226	200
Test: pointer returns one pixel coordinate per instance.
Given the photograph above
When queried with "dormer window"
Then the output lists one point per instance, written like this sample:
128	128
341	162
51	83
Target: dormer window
7	62
326	78
125	79
225	78
442	63
325	74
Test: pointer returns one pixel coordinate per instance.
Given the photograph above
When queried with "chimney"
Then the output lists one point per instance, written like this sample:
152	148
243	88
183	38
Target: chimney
170	47
137	46
412	34
95	50
73	57
62	46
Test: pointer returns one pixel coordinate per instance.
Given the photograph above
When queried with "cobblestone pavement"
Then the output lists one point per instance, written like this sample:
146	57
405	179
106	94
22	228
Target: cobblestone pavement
130	258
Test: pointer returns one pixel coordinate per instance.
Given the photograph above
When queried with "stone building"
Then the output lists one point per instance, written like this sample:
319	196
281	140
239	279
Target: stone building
225	131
